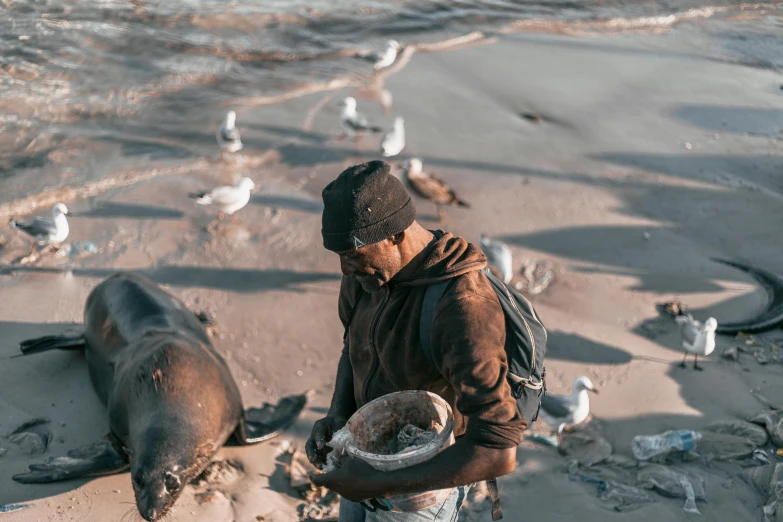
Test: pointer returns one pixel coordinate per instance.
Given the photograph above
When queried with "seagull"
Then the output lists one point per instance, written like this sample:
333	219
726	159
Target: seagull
431	187
44	231
697	339
228	199
564	412
393	141
354	123
498	255
383	58
228	135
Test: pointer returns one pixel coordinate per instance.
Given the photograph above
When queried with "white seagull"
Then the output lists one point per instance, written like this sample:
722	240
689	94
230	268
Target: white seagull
226	198
564	412
228	135
44	231
384	58
353	122
498	255
697	339
393	141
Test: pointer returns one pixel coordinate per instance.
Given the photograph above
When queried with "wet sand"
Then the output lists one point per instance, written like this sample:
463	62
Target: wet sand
659	134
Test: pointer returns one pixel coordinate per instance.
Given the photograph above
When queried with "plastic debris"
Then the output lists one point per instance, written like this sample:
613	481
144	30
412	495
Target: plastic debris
625	498
537	276
33	436
219	472
320	505
573	477
647	446
721	446
411	437
690	498
620	497
300	470
669	481
586	447
761	457
772	420
731	353
772	509
7	508
544	439
674	308
739	428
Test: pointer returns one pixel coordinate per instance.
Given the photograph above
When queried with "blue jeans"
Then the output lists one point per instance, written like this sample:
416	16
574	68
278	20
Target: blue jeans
446	511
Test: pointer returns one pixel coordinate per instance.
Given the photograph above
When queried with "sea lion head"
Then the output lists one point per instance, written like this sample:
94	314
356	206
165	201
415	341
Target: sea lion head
162	466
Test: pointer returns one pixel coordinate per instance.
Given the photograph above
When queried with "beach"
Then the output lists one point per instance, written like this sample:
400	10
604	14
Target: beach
654	153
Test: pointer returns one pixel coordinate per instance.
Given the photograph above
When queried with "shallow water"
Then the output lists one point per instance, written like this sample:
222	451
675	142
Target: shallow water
79	78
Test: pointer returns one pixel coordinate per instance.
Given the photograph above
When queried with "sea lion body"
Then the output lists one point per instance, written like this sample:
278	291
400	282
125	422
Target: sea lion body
138	338
171	398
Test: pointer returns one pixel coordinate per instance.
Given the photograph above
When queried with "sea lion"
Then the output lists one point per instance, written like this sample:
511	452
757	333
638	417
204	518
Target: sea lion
772	316
171	399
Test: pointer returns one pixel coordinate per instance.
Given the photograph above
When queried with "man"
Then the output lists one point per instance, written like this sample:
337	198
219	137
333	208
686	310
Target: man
387	260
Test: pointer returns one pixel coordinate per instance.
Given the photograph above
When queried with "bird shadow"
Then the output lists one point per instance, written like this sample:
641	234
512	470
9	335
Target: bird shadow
240	280
278	201
290	132
130	210
572	347
738	120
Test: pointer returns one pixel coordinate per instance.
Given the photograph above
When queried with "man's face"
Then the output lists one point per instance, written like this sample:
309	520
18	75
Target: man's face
372	265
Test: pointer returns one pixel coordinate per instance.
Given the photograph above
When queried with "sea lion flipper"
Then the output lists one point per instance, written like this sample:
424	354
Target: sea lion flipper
52	342
89	461
260	424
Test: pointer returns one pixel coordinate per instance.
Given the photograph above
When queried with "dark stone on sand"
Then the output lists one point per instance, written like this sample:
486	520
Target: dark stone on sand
532	117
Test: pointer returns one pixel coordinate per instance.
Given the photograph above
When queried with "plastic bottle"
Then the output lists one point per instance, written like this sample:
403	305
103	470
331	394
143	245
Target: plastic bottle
646	446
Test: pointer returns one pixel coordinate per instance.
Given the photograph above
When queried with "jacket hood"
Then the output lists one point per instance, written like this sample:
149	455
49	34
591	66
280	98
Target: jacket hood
444	258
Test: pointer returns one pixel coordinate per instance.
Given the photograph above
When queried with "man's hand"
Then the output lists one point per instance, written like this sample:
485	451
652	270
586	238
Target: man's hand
323	430
354	479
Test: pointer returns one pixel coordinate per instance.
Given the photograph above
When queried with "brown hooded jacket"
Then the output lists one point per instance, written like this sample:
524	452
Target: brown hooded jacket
467	339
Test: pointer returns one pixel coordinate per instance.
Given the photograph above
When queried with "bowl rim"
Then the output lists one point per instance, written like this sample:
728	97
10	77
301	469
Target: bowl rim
434	444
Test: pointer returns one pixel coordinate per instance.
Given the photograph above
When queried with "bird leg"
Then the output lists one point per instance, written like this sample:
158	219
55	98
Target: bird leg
32	251
441	219
232	218
221	215
682	364
357	137
560	434
696	363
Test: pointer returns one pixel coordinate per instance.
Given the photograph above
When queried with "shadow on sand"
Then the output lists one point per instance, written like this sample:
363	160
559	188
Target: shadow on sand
54	386
110	209
572	347
241	280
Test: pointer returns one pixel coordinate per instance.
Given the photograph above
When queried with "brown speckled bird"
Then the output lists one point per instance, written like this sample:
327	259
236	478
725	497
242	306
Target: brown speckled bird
431	187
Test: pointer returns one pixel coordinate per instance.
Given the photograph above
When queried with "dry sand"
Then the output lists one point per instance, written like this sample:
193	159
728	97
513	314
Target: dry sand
658	134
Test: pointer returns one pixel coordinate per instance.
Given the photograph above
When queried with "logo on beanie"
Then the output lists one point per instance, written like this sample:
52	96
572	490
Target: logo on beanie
357	242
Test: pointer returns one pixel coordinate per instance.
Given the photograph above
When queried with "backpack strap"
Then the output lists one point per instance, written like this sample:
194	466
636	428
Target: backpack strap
431	299
494	495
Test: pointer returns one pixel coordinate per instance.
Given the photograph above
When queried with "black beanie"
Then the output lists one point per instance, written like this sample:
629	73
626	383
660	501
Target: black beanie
364	205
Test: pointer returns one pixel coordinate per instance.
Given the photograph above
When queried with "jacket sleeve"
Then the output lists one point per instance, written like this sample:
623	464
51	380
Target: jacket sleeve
468	346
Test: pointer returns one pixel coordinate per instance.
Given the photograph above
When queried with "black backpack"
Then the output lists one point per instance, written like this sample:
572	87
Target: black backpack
525	342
